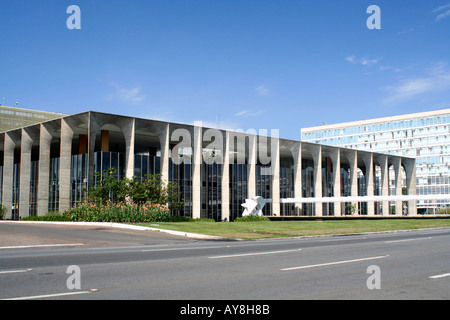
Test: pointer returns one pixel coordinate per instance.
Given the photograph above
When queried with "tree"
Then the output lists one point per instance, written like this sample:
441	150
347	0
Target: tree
106	189
151	189
351	208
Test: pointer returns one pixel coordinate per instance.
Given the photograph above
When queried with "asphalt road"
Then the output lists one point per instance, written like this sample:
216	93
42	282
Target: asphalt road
145	265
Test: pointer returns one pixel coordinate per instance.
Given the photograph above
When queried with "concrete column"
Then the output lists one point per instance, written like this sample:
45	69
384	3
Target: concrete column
65	165
25	168
275	170
398	184
336	161
8	163
164	138
251	171
45	140
368	160
196	172
128	128
411	185
384	165
226	178
317	157
296	150
93	130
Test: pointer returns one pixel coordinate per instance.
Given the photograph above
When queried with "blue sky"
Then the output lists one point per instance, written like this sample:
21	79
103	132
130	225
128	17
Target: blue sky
260	64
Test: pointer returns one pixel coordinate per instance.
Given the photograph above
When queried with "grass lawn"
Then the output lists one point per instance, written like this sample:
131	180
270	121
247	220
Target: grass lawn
276	229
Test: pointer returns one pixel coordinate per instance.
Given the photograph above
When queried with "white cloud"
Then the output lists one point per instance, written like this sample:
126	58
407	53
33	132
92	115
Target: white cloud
405	31
369	62
362	61
241	113
262	90
436	80
133	95
248	113
445	6
221	125
443	15
444	12
351	59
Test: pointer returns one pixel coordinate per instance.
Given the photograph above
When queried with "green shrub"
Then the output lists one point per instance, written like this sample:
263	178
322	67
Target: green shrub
251	219
2	212
119	212
53	216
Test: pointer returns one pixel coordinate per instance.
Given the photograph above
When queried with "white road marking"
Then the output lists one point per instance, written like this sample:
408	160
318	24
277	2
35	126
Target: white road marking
344	239
182	249
333	263
15	271
405	240
42	246
252	254
51	295
439	276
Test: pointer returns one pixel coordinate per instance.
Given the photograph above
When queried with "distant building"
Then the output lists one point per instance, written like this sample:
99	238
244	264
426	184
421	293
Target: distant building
424	136
11	118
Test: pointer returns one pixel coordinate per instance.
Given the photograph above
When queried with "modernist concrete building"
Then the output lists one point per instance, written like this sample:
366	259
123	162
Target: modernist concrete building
51	165
424	136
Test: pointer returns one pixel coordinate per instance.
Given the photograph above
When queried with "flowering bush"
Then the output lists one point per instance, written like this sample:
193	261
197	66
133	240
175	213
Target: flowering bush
119	212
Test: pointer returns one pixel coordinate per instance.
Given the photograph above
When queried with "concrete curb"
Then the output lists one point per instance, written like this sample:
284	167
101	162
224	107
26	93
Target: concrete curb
125	226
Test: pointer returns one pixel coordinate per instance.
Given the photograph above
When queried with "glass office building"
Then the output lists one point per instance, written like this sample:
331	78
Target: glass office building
423	136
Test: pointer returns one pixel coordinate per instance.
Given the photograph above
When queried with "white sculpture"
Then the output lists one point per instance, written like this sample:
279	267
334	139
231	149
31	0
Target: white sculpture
253	206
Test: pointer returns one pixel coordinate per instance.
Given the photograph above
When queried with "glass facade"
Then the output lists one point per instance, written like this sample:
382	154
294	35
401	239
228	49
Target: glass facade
263	186
181	175
287	187
15	191
425	137
53	202
211	191
79	179
238	189
34	179
109	160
